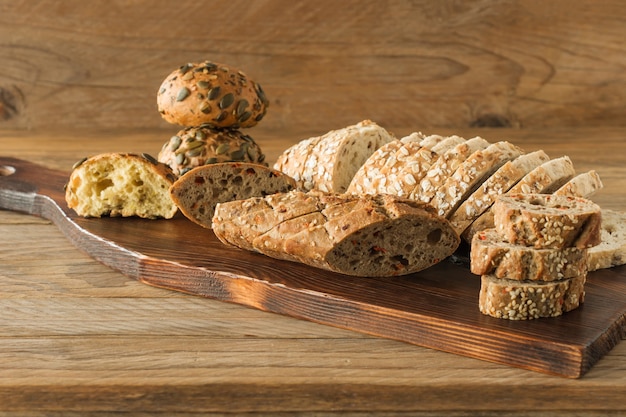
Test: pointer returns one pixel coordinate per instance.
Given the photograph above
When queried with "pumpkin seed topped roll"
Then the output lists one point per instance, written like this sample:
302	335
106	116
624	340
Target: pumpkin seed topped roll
211	93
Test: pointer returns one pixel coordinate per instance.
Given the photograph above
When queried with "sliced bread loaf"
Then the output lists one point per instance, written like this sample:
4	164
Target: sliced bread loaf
197	192
121	184
499	183
547	221
526	300
470	174
612	250
544	179
492	255
365	235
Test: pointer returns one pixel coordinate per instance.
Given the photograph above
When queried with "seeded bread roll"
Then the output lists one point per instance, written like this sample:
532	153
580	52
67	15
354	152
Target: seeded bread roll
612	250
583	185
548	221
197	192
492	255
527	300
337	155
196	146
470	174
364	235
444	167
211	93
121	184
499	183
545	179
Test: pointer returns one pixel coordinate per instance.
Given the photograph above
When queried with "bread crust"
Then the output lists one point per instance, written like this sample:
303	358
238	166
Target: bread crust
196	146
211	93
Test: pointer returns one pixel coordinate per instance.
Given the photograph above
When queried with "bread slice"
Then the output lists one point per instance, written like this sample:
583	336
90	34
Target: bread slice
444	167
292	161
492	255
363	180
121	184
547	220
612	250
583	185
197	192
470	174
545	179
527	300
337	155
499	183
366	235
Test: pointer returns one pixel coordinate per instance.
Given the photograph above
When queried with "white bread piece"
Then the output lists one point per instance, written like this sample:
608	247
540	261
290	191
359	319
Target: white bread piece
470	174
527	300
365	235
499	183
337	156
121	184
583	185
490	254
292	160
197	192
362	181
544	179
547	220
612	250
444	167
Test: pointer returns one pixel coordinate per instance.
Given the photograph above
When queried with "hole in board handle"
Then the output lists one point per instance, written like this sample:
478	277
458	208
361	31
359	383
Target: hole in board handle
6	170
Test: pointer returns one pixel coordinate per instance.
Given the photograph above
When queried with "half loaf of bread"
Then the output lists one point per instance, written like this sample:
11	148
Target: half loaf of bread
366	235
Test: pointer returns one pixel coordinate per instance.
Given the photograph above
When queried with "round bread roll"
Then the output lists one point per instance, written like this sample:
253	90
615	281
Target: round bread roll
196	146
211	93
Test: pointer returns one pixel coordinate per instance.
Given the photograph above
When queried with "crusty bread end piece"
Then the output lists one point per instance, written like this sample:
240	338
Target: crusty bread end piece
121	184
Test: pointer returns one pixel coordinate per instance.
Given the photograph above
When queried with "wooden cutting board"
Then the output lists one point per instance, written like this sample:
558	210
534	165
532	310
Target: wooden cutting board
436	308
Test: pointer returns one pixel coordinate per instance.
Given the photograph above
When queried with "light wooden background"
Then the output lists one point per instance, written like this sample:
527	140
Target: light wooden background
324	64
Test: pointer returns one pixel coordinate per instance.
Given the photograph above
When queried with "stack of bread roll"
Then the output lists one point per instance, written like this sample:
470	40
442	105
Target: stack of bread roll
533	263
212	102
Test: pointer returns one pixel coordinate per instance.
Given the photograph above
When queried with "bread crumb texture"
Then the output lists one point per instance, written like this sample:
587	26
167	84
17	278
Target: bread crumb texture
123	185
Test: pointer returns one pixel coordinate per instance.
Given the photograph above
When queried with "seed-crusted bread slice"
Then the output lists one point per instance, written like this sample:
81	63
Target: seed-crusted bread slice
360	235
197	192
337	155
499	183
444	167
446	144
612	250
121	184
583	185
470	174
547	220
544	179
363	180
527	300
492	255
292	161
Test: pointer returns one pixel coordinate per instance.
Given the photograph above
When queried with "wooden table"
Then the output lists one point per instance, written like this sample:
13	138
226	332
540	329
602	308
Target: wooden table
76	336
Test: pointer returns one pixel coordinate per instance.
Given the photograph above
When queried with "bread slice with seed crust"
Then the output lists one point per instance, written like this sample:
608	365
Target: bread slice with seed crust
292	160
492	255
197	192
470	174
527	300
444	167
583	185
544	179
364	235
362	181
497	184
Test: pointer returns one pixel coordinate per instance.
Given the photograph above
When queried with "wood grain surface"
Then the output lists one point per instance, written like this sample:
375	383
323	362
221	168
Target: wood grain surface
78	338
455	64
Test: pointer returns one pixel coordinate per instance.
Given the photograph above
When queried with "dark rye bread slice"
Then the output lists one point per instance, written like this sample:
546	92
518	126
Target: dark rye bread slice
527	300
360	235
545	179
197	192
492	255
548	220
